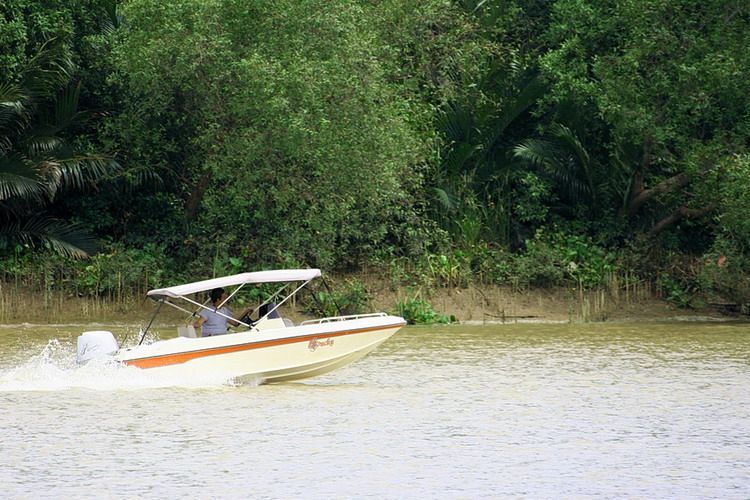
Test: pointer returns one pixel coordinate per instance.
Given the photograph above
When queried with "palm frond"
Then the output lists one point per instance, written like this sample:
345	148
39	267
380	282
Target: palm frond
444	199
40	146
457	159
19	178
13	186
138	177
624	173
456	122
532	89
35	161
12	118
80	170
570	138
113	20
6	144
60	237
10	93
13	112
583	160
47	71
538	152
569	183
66	108
563	168
11	104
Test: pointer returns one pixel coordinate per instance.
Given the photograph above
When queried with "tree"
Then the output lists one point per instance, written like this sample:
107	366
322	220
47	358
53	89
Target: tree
286	125
565	159
478	173
667	80
38	161
479	185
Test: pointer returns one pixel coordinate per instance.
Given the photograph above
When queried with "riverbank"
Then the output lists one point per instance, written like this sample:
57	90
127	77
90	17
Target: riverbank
490	304
484	304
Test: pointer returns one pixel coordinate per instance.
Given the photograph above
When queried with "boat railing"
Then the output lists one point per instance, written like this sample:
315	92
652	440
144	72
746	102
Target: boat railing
343	318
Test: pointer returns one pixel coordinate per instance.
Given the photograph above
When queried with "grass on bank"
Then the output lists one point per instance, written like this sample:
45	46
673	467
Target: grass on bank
556	276
20	303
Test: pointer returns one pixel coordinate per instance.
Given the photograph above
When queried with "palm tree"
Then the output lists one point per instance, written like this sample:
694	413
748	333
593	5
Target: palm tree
37	161
563	157
473	184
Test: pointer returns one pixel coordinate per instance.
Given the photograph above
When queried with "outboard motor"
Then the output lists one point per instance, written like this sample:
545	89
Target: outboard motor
96	344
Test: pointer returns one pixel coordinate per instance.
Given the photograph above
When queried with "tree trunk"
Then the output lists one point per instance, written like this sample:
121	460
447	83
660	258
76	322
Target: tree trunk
196	195
681	213
639	198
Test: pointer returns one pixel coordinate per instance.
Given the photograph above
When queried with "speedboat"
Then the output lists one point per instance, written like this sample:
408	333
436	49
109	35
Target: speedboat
270	349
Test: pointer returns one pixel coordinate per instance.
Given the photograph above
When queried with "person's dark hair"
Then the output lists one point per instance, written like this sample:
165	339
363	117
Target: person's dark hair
216	294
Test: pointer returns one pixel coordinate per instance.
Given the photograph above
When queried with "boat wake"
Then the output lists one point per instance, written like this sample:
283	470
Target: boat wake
55	369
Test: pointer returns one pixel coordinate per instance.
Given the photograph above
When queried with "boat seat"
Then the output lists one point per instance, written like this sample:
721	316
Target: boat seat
270	324
187	331
288	322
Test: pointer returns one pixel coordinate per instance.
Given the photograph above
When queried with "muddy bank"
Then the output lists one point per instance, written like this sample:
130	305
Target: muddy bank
490	304
473	304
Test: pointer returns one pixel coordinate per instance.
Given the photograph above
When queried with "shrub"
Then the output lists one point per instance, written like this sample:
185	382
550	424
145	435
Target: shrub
115	272
417	311
726	272
676	292
556	259
351	299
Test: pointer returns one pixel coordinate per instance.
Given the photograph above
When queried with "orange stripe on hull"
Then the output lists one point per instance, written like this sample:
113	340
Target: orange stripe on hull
183	357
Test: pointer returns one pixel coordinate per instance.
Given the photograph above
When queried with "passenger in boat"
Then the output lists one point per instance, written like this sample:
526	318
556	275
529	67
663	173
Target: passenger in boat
246	316
210	321
271	306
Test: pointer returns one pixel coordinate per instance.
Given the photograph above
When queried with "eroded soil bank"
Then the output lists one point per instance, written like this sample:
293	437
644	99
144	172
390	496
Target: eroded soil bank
472	304
490	304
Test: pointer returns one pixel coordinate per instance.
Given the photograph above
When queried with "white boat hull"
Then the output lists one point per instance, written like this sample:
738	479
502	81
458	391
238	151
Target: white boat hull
270	355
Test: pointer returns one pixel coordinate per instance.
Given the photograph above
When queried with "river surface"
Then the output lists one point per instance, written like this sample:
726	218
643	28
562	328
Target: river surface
522	411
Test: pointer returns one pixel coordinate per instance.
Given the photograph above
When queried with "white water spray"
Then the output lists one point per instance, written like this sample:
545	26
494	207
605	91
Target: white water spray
55	368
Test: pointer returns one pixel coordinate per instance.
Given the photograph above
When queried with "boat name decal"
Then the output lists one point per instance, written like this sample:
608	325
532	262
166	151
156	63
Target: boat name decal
315	343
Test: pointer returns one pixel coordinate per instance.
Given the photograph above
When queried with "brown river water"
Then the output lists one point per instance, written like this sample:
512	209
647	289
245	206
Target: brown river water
616	410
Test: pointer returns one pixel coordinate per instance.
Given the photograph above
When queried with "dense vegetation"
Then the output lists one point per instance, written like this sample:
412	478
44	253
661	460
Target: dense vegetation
538	143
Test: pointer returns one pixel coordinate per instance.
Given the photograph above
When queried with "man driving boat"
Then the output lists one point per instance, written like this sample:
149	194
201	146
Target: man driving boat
214	321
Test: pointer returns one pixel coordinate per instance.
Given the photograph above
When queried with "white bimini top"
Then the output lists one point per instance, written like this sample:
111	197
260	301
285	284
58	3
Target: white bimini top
279	276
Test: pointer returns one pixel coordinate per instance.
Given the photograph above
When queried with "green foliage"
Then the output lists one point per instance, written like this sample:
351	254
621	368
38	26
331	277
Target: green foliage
289	122
43	151
452	269
680	294
725	273
478	174
114	273
118	270
564	159
557	259
417	311
540	265
442	270
531	206
734	201
349	298
517	143
550	259
662	78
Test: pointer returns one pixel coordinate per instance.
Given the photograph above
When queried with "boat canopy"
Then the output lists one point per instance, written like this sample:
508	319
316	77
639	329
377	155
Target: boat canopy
279	276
